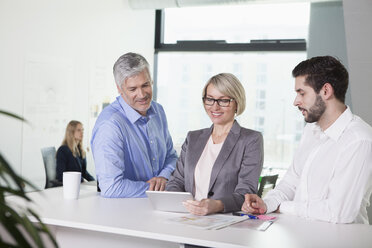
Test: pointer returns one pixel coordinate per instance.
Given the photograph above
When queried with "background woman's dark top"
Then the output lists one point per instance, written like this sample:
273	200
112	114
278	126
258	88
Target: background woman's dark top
67	162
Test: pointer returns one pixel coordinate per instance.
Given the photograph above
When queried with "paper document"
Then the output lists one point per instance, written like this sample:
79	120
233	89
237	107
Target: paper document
260	225
210	222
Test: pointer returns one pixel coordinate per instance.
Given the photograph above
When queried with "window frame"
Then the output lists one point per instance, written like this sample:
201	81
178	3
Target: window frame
268	45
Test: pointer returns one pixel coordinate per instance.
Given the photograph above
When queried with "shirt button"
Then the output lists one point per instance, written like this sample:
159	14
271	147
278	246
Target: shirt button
153	159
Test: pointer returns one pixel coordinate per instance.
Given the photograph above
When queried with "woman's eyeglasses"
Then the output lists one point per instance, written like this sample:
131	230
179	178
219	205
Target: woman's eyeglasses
221	102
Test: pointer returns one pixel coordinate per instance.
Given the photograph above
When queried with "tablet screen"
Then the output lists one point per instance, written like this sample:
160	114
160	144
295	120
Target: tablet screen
168	200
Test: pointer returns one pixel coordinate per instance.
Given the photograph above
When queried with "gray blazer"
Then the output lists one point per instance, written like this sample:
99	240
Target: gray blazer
235	172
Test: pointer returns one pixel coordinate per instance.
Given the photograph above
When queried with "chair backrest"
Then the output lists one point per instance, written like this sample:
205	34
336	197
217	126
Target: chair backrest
369	210
267	182
50	164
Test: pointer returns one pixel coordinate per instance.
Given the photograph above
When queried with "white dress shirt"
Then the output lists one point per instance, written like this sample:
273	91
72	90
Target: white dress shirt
330	178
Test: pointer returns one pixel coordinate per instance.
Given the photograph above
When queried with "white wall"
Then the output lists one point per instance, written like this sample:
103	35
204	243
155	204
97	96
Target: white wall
358	28
358	22
56	65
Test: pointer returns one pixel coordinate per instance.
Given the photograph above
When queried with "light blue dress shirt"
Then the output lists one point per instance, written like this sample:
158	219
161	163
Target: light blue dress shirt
129	149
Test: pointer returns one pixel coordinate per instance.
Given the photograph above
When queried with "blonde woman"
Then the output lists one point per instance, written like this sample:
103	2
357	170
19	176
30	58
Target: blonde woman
71	154
220	164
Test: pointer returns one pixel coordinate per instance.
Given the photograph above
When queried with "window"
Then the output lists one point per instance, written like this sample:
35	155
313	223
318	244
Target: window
237	23
260	44
260	99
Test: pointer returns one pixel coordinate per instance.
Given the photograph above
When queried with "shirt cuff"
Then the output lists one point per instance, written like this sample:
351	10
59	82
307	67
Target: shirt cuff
165	173
271	205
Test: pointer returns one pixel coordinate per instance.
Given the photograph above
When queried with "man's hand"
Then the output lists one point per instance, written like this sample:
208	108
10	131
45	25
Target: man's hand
204	207
254	204
157	183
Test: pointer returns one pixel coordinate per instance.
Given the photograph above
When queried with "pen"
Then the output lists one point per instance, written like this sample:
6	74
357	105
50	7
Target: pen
243	214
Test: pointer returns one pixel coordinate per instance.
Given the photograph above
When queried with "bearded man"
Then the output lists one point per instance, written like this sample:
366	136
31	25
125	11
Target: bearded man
330	178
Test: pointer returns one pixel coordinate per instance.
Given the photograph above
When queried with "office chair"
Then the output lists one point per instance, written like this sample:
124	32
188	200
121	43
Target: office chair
267	182
369	210
50	165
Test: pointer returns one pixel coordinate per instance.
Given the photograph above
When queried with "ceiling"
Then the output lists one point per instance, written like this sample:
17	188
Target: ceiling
161	4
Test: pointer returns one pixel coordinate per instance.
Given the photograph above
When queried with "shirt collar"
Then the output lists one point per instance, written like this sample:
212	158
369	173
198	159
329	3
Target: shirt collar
317	131
338	127
132	114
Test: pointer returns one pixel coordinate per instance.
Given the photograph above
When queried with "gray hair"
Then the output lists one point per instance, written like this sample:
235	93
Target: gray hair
229	85
129	65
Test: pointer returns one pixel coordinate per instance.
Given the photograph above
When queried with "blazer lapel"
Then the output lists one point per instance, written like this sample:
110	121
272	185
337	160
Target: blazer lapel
226	149
196	149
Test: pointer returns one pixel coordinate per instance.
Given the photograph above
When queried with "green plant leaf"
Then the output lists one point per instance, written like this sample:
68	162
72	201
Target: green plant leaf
13	115
12	191
3	244
43	227
8	173
12	220
33	231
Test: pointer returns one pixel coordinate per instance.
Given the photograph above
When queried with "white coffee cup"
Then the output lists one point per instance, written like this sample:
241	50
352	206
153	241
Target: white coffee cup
71	184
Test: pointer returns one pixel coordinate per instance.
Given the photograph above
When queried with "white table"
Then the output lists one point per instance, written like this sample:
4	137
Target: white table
93	221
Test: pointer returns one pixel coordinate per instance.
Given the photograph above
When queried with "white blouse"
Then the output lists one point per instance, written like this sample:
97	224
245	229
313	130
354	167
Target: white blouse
204	167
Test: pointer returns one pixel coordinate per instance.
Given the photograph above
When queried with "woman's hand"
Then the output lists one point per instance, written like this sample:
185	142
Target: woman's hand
204	207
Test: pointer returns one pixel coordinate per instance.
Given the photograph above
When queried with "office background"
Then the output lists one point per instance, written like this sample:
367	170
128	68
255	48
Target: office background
56	64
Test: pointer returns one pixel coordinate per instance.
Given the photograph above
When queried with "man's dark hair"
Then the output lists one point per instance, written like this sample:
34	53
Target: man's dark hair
321	70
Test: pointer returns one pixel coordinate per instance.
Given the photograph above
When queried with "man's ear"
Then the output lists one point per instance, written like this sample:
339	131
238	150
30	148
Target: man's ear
327	91
119	89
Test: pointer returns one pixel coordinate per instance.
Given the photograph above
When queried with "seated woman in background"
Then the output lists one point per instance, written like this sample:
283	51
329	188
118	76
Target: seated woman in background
71	154
220	164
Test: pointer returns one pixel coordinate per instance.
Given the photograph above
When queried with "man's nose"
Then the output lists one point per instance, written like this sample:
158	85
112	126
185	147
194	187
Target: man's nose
141	93
296	101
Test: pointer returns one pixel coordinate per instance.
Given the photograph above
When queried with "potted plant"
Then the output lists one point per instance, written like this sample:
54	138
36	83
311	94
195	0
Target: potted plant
16	222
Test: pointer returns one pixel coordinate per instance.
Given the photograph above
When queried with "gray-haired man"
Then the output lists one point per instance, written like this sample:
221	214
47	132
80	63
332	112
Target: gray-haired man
132	148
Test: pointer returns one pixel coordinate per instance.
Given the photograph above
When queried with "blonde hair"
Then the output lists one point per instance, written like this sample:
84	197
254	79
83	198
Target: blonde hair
70	141
229	85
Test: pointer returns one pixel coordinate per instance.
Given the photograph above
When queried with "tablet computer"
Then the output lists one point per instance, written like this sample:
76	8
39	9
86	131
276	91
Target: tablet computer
169	201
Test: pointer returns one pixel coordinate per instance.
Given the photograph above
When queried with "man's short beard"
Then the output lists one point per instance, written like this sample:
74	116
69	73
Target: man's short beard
316	111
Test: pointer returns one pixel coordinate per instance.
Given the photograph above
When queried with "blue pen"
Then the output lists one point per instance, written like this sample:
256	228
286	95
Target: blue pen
252	216
243	214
